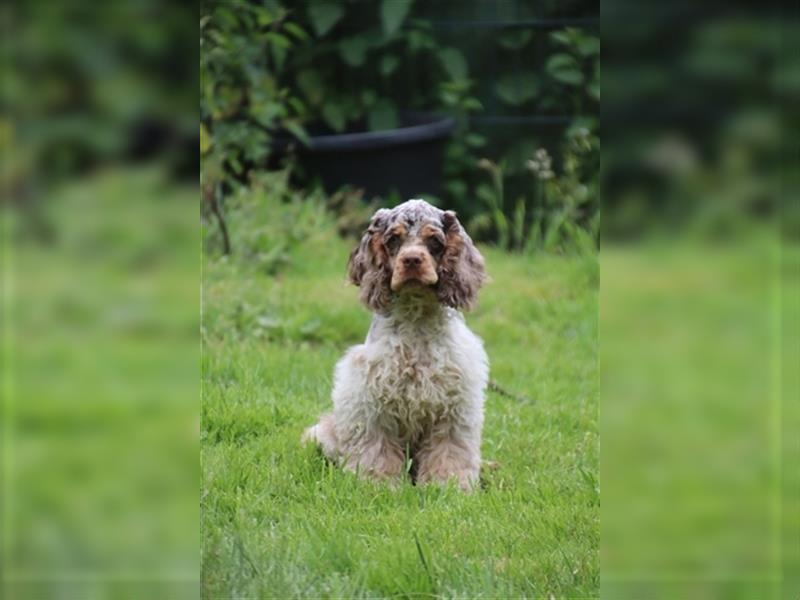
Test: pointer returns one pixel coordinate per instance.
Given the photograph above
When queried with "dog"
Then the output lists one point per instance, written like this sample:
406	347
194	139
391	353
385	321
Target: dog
415	388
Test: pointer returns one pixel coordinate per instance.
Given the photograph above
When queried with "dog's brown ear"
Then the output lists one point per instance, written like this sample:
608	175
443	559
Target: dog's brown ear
368	266
461	268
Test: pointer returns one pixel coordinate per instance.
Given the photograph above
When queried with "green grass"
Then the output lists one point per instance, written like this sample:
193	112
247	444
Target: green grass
697	440
278	521
99	406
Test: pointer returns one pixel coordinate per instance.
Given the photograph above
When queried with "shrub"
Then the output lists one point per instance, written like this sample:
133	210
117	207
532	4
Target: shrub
558	213
334	65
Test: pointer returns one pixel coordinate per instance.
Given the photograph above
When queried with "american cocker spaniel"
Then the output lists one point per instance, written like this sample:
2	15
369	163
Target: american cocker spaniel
415	388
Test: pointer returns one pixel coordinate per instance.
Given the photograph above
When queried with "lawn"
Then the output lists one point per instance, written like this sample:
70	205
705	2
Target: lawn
100	385
699	446
278	521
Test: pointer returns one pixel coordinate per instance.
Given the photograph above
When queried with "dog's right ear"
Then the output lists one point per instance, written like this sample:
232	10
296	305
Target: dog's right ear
368	266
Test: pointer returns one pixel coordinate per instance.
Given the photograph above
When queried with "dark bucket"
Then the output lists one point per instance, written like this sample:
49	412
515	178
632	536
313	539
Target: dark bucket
407	160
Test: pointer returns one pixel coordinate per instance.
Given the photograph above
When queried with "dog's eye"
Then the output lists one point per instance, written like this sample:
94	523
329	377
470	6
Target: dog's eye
393	240
436	245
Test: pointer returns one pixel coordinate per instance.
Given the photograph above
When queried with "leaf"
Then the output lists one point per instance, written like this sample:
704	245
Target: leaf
534	236
393	13
455	152
501	223
266	112
517	88
277	39
456	188
578	123
569	76
278	56
368	97
561	61
475	140
518	223
297	31
263	17
353	50
564	68
254	146
453	62
310	84
333	116
205	139
297	130
448	98
323	16
382	116
561	37
485	193
297	105
589	46
388	65
247	20
551	237
473	104
226	18
417	40
514	40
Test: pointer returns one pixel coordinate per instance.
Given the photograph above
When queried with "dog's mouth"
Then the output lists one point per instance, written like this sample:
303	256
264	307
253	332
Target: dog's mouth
413	279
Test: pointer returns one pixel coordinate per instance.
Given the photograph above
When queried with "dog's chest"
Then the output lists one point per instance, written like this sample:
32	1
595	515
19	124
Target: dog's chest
417	380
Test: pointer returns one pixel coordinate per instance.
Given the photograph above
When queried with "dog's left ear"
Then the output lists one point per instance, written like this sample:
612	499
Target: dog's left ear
461	268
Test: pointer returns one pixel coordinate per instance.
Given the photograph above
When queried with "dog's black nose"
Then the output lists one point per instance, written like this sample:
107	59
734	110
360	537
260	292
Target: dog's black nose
412	261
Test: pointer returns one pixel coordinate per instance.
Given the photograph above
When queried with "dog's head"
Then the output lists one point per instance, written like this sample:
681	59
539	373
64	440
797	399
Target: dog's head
416	244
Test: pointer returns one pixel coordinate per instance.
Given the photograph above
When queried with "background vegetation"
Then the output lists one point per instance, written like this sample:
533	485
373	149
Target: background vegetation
99	316
517	76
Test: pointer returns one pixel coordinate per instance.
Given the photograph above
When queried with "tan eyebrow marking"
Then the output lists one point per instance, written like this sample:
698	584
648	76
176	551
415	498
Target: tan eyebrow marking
431	231
399	229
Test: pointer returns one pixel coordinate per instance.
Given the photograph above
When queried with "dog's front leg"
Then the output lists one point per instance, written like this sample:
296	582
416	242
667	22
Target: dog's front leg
452	454
376	455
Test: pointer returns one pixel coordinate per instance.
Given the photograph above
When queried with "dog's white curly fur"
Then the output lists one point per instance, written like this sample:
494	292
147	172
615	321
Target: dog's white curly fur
415	389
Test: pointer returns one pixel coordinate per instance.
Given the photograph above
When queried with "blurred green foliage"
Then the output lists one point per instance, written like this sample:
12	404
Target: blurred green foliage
99	273
99	364
274	68
699	305
697	109
87	84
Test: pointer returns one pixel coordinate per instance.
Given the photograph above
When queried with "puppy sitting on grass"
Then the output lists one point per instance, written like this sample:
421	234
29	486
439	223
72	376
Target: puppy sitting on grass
416	385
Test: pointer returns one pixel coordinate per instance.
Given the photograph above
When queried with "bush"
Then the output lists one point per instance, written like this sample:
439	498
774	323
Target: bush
336	65
565	217
268	220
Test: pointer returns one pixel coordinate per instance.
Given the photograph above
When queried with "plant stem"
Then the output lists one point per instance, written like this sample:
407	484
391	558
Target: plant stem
226	242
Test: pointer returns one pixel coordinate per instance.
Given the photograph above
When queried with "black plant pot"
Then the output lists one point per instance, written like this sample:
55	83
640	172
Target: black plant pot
407	160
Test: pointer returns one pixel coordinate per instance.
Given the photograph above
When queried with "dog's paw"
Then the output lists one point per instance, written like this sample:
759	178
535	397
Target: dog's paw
466	478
